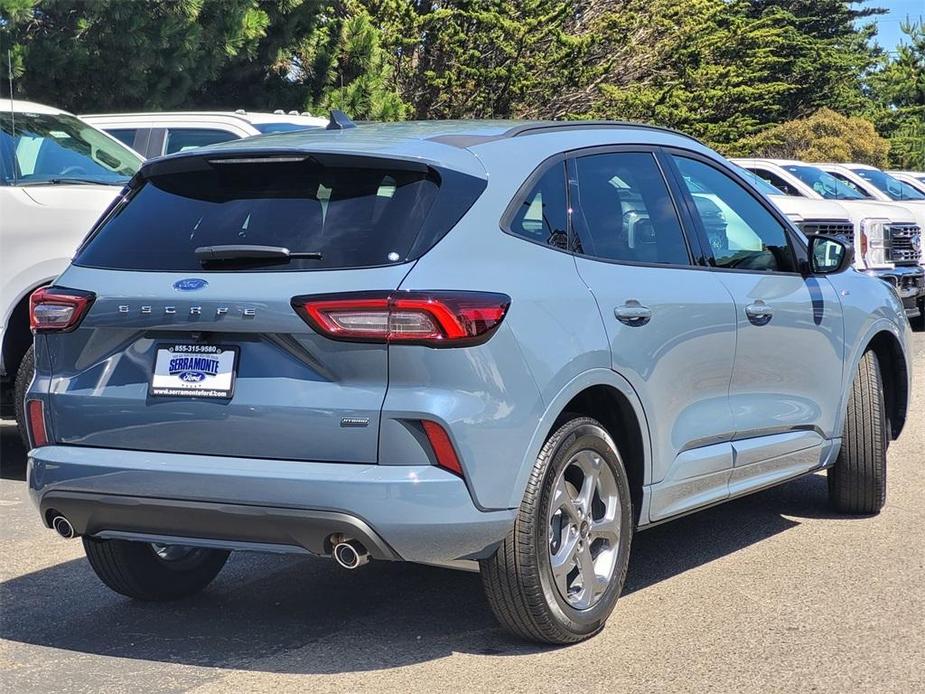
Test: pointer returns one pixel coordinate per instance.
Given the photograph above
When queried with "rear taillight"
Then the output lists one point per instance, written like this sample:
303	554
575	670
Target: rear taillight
436	319
442	446
35	412
58	309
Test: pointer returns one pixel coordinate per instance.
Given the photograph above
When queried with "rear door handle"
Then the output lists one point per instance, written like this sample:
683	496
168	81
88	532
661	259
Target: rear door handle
759	313
633	313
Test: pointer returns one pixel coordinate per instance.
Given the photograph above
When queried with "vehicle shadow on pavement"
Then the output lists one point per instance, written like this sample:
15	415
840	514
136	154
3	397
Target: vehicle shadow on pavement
301	615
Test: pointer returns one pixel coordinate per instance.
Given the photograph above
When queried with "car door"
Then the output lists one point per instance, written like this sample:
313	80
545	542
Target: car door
786	383
671	325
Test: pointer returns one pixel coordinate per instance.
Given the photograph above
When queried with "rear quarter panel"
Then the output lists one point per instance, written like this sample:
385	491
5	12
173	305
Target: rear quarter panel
500	401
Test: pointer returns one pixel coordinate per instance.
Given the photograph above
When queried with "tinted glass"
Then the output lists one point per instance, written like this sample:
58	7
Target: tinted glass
626	212
45	148
825	183
353	217
741	232
282	127
896	189
182	139
760	183
773	179
543	215
124	135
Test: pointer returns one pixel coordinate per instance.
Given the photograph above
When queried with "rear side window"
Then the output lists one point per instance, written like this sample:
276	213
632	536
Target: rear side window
182	139
542	217
741	232
352	217
626	212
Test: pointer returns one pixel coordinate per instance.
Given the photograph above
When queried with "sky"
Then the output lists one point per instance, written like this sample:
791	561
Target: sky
888	33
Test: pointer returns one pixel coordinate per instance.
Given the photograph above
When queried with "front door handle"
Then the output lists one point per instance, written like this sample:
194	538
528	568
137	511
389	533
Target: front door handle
633	313
759	313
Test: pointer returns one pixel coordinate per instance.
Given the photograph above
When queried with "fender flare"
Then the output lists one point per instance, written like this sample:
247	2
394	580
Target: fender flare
583	381
854	358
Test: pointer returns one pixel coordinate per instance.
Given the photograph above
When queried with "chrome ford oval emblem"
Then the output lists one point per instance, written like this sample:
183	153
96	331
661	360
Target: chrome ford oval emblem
190	284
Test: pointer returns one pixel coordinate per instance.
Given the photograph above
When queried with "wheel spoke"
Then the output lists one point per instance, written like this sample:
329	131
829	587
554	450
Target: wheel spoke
562	499
564	560
589	579
607	529
590	464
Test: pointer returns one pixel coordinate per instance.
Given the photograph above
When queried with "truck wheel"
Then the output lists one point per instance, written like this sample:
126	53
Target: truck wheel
150	572
23	379
558	574
857	481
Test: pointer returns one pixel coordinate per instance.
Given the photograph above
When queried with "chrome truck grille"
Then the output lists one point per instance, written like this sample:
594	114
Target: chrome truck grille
907	244
837	227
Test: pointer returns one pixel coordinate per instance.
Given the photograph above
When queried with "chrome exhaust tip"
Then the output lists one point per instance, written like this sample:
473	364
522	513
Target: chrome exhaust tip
63	527
350	554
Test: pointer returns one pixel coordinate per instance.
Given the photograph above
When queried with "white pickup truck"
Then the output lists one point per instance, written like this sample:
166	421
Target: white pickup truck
58	174
887	237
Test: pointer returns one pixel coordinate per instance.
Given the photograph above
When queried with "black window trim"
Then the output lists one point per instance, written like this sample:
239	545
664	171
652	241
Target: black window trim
692	256
797	247
524	190
696	259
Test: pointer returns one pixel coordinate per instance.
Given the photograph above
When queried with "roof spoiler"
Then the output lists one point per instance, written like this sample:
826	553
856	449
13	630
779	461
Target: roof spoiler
338	120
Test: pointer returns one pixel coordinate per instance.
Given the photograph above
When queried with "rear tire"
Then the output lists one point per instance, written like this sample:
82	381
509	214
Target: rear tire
584	533
23	379
137	570
857	481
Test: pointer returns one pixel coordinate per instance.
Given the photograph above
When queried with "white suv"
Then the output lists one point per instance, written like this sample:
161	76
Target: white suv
155	134
57	175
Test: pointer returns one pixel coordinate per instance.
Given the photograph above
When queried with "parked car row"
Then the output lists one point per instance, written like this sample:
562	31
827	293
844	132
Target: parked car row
885	224
156	134
494	346
58	173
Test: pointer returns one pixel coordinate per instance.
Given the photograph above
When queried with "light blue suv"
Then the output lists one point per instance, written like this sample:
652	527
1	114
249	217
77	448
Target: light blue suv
496	346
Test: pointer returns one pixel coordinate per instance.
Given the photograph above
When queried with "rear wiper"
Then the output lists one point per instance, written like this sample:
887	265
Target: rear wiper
246	252
65	181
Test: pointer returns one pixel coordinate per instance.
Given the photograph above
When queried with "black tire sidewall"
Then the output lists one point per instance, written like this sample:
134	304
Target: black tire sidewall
584	434
24	375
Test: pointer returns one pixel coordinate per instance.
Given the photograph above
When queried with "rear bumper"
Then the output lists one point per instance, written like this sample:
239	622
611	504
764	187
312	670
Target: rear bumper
413	513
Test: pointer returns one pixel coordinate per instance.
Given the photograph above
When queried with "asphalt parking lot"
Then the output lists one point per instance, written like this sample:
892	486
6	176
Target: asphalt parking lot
769	593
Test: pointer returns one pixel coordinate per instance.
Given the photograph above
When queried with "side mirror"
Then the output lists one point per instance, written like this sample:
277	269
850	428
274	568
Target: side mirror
829	254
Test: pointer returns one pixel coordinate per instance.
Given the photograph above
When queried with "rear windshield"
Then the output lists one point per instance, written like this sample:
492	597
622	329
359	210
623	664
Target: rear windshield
349	216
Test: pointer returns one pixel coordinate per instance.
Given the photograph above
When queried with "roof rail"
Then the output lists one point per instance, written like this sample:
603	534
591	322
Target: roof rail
339	121
546	126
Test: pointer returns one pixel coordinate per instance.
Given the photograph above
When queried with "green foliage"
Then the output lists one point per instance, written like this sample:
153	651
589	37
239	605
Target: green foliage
344	66
111	54
824	136
898	88
727	71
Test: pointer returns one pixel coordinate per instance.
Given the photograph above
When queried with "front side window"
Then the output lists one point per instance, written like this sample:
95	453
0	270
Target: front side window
824	183
182	139
742	233
896	189
43	149
778	182
625	212
542	216
762	185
